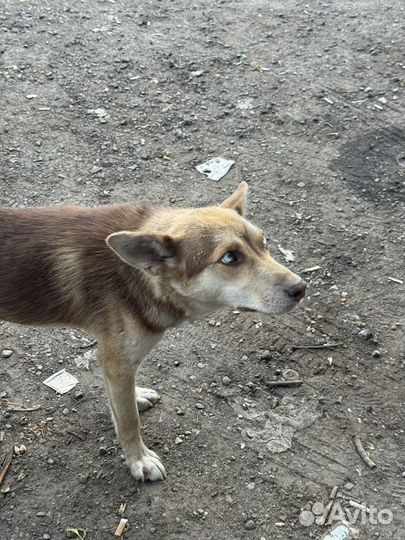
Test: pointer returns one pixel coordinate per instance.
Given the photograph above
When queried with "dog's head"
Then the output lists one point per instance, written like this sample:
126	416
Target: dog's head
212	257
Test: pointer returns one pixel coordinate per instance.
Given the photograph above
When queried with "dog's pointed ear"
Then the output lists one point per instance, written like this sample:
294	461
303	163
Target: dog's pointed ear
148	251
238	200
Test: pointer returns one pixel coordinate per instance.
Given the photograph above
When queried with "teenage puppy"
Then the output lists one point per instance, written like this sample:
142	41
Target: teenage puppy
125	274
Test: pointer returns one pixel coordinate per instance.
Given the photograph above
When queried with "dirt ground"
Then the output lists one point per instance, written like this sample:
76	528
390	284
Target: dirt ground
308	98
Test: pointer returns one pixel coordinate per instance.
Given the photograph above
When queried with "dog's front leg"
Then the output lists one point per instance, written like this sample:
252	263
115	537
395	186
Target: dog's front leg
120	360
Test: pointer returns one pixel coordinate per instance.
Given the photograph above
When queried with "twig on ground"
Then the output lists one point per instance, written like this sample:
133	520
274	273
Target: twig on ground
16	407
329	345
395	280
4	470
362	453
74	434
88	345
292	382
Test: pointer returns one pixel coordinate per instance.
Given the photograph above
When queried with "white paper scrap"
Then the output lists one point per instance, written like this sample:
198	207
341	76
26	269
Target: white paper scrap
62	381
215	168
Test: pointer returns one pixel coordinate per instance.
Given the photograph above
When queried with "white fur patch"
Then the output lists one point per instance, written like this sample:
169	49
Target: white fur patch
149	467
146	398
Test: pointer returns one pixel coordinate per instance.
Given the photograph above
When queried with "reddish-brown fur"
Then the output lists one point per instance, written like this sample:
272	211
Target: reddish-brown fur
56	268
125	274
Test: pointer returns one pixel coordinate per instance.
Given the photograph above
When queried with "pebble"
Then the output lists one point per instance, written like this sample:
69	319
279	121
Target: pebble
6	353
301	184
403	474
376	353
178	440
226	381
200	365
41	514
46	537
199	406
19	449
265	355
79	395
348	486
365	333
250	525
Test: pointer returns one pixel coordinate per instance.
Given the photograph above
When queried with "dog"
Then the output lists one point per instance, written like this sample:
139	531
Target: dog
128	272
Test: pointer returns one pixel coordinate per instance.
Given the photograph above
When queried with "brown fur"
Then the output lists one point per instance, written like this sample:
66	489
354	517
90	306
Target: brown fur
126	273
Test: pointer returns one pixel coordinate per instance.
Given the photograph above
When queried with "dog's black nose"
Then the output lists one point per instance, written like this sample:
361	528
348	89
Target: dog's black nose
297	291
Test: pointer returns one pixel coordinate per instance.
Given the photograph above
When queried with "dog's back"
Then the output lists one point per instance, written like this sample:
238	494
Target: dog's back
54	261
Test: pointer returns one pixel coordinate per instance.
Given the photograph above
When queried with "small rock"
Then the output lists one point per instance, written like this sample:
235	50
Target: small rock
79	395
46	537
196	73
376	353
199	406
250	525
6	353
301	184
41	514
178	440
265	355
103	451
20	449
403	474
200	365
365	333
348	486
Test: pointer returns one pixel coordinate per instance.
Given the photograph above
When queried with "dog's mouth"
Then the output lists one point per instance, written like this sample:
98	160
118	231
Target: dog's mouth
247	309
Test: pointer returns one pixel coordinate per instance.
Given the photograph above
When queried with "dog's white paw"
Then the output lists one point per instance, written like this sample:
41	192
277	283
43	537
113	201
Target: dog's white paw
149	467
146	398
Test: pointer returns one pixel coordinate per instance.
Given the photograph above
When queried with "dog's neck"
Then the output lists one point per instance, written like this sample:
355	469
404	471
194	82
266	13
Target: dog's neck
156	304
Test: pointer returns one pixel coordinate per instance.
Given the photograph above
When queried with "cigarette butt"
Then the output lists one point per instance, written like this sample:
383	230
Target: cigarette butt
122	525
312	269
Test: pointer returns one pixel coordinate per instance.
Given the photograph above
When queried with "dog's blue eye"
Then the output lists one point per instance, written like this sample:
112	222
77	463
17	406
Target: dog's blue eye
229	258
266	242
